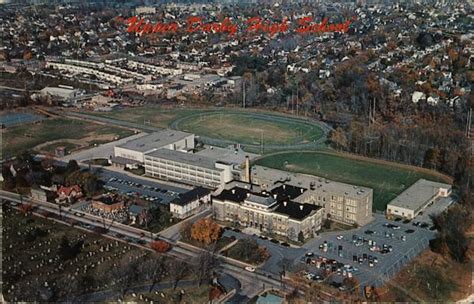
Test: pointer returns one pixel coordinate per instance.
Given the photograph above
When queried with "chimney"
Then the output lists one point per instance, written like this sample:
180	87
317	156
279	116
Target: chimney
248	194
284	204
284	186
247	169
233	191
302	190
275	196
301	207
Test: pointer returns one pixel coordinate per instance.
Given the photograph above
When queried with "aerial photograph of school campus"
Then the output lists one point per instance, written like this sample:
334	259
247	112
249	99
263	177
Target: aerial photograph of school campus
236	151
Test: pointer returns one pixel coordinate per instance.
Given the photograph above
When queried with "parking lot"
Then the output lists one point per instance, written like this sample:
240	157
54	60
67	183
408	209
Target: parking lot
377	250
154	192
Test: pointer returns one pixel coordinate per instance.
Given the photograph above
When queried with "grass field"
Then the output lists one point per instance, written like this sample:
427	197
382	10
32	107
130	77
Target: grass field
52	147
387	181
17	139
246	128
153	115
229	124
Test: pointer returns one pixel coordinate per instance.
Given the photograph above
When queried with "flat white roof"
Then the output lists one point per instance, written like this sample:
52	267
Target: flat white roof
185	158
154	140
272	177
418	194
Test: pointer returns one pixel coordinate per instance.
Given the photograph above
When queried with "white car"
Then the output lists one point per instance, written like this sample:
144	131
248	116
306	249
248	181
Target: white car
251	269
339	237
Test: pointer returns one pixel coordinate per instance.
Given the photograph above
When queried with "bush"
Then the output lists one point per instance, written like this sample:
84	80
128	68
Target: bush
160	246
248	251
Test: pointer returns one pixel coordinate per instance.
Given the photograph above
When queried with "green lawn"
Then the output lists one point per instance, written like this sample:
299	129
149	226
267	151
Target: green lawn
250	128
20	138
387	181
153	115
245	127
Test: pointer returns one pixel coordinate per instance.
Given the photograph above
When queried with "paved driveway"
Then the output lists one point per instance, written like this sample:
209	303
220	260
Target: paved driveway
281	256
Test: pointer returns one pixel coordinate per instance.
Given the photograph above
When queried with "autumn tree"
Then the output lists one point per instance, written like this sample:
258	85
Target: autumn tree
351	284
160	246
339	139
206	231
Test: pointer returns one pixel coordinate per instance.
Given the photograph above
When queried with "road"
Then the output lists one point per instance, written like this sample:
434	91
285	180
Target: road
252	282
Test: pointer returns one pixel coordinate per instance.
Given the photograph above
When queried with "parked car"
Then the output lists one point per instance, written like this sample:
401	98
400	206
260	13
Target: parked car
251	269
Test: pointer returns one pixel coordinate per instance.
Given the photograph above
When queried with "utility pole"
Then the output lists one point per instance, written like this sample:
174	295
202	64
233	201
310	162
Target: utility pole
468	123
297	99
243	93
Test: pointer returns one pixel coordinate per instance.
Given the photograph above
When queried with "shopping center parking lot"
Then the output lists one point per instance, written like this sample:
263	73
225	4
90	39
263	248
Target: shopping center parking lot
352	248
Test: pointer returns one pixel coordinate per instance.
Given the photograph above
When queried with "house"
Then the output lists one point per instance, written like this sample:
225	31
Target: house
107	203
188	203
138	214
69	193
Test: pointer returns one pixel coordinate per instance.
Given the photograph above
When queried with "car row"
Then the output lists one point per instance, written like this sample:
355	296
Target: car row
329	265
141	186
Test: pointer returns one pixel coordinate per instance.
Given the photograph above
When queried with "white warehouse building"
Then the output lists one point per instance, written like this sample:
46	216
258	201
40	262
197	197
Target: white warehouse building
134	150
416	198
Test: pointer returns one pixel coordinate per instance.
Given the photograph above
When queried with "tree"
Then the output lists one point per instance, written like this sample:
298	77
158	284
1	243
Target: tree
177	271
204	265
154	270
301	237
206	231
451	238
125	274
338	139
432	157
160	246
185	230
351	284
72	166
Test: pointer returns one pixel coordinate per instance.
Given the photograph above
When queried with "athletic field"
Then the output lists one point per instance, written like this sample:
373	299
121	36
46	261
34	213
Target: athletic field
387	180
18	139
227	126
251	128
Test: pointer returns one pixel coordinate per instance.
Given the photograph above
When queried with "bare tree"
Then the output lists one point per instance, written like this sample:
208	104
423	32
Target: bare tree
153	269
205	264
177	270
124	274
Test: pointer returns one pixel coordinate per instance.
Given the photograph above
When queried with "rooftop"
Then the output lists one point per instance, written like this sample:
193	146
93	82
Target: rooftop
154	140
229	154
295	210
190	196
236	194
185	158
263	200
418	194
274	178
287	192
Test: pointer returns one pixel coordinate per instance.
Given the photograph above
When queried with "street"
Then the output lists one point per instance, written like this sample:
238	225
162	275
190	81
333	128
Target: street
251	282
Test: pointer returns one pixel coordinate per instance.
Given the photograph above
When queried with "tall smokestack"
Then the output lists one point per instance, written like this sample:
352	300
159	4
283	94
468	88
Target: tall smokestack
247	169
